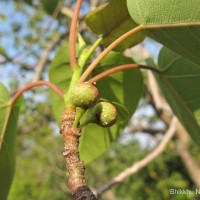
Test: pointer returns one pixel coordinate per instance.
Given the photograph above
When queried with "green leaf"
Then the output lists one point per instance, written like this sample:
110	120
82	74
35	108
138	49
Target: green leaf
111	20
60	74
180	83
7	141
184	15
124	87
4	102
3	52
30	2
49	6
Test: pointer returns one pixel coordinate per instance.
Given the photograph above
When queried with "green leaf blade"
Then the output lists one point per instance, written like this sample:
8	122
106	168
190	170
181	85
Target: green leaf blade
181	40
167	12
49	6
7	142
3	52
111	20
120	87
183	37
180	84
60	74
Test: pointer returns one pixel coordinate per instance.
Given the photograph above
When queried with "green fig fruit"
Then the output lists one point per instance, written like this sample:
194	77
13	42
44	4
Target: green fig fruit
84	95
106	114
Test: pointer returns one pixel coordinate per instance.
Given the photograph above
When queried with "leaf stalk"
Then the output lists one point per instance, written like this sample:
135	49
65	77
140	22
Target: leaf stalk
34	84
72	35
107	50
121	68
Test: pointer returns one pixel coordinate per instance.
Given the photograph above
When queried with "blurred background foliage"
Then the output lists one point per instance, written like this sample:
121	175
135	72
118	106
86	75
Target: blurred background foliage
41	171
26	27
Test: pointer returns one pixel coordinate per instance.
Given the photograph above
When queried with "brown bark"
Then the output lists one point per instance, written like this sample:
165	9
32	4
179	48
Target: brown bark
83	193
189	161
142	163
75	167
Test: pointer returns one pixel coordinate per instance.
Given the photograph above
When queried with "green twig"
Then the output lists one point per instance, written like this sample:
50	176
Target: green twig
90	52
107	50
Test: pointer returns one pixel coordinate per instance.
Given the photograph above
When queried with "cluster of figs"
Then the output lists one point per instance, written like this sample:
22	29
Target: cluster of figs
86	95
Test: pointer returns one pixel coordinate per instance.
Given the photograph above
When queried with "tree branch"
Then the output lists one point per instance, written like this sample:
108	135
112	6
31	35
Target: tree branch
67	11
19	55
142	163
157	97
190	163
157	101
94	4
165	112
146	129
44	58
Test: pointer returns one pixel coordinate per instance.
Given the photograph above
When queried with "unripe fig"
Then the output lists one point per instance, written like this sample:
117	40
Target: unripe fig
106	114
84	95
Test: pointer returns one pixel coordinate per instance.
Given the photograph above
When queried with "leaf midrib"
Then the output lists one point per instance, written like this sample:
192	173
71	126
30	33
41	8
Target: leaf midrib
173	25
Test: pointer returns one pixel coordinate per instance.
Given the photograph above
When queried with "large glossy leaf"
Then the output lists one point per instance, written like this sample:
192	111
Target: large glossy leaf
60	74
184	15
112	20
180	83
124	87
7	142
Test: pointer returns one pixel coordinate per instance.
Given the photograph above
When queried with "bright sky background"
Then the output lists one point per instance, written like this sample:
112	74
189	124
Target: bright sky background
11	72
